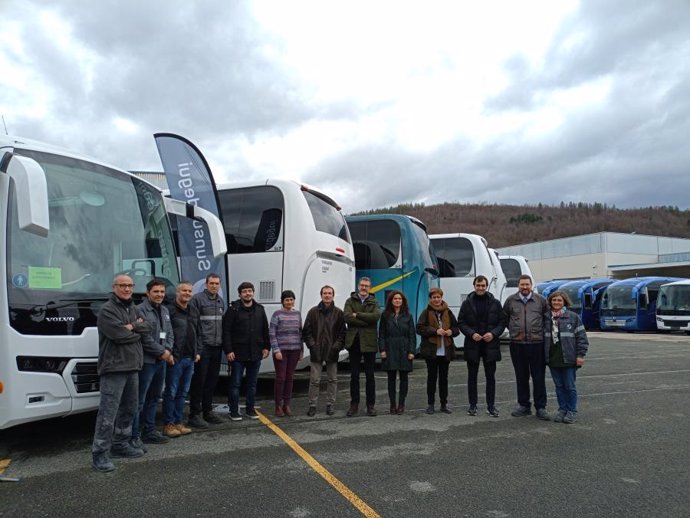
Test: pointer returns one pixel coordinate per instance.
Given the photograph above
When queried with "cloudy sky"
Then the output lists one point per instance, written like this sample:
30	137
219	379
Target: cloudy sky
375	102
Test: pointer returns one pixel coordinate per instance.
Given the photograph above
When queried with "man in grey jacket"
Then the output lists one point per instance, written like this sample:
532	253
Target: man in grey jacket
120	357
158	345
211	308
524	313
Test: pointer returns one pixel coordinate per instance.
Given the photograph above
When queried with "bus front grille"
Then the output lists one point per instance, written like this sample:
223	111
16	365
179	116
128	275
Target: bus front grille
85	377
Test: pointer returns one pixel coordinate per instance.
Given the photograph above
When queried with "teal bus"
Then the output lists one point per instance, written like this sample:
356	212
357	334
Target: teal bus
395	252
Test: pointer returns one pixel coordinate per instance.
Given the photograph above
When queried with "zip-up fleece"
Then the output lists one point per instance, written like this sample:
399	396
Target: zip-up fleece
119	349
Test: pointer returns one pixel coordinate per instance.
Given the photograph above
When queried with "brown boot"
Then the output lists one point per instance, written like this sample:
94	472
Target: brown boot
287	410
171	431
401	409
279	411
371	411
353	411
183	429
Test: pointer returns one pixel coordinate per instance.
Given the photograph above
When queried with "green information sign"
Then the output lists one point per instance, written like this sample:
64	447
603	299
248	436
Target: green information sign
45	277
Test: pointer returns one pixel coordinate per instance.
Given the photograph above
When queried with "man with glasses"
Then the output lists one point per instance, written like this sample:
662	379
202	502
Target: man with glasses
120	357
362	315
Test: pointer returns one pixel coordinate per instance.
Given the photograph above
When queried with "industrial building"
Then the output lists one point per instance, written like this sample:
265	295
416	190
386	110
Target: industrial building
605	254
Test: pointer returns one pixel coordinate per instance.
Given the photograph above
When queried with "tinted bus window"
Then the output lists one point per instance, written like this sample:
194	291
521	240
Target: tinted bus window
376	244
511	269
327	217
253	219
455	257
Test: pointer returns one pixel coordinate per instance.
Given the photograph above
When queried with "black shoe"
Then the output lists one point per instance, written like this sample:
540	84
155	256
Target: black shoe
445	409
251	413
196	421
472	410
312	411
155	437
570	418
212	418
329	410
102	463
353	410
521	411
430	409
235	416
558	418
543	414
136	442
126	452
492	411
371	411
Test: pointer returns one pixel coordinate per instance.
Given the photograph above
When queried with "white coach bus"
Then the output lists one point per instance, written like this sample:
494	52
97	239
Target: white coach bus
69	224
284	235
673	307
461	258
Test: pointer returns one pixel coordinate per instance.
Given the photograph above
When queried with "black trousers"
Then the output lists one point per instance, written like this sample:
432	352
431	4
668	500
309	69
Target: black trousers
472	374
529	360
403	386
356	356
204	381
437	369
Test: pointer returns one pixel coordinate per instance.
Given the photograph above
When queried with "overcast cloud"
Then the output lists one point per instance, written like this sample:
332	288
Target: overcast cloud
376	103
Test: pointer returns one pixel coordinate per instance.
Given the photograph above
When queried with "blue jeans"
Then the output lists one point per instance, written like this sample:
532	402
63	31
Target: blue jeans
151	380
564	379
237	369
178	378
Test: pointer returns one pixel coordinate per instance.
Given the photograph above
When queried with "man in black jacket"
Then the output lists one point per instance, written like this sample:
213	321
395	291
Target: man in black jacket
481	321
245	343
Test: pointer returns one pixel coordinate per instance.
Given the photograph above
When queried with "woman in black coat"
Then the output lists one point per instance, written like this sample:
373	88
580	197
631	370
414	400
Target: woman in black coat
481	321
397	344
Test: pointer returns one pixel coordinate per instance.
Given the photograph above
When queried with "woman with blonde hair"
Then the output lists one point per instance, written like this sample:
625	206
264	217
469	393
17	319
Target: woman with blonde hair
565	347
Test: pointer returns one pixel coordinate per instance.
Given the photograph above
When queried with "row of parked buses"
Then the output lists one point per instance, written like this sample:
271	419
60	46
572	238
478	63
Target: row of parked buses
635	304
71	223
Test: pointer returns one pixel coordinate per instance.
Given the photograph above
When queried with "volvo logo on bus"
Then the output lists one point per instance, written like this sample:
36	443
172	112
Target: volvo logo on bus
60	319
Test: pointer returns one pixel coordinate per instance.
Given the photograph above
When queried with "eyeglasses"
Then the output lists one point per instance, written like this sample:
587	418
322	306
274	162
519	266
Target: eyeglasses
125	286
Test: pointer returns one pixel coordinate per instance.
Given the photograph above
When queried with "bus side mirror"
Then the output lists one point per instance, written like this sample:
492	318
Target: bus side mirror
215	227
31	189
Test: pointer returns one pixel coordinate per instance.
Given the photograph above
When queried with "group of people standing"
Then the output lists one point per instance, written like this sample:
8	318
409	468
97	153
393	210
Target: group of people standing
176	350
151	349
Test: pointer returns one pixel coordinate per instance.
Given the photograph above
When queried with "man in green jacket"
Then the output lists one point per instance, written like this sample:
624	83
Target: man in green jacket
362	314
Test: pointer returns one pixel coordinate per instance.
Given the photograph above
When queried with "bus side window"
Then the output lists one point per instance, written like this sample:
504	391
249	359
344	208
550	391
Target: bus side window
588	301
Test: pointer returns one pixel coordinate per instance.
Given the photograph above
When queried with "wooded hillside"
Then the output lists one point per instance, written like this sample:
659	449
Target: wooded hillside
504	225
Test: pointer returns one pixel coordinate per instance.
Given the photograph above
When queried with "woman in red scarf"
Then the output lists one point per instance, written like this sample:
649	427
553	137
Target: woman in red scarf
437	326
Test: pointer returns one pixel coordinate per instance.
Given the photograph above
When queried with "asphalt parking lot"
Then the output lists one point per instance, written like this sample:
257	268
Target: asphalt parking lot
628	454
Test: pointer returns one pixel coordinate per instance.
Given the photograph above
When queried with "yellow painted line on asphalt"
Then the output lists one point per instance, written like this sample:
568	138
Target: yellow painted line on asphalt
316	466
4	463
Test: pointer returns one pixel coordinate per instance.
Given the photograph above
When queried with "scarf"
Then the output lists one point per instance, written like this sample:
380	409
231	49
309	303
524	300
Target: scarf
434	312
555	315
